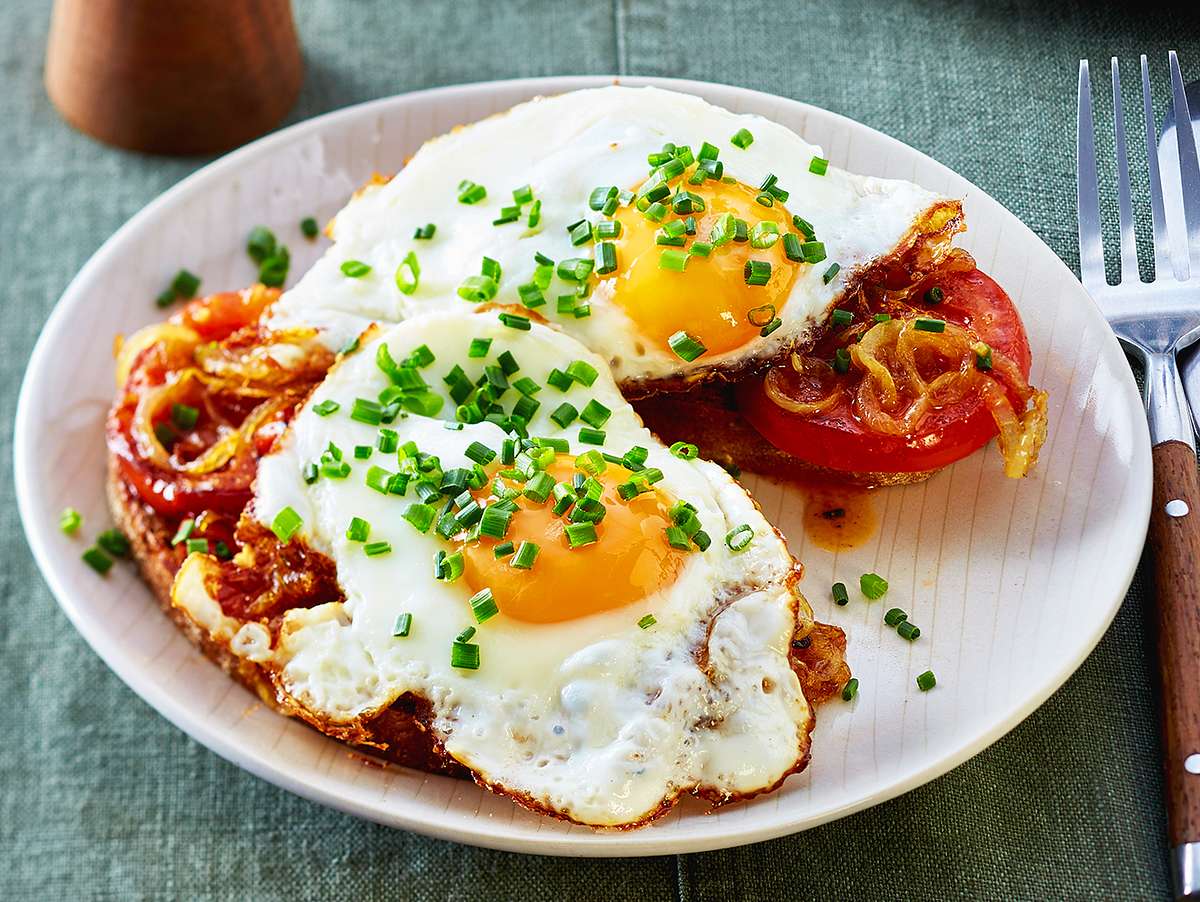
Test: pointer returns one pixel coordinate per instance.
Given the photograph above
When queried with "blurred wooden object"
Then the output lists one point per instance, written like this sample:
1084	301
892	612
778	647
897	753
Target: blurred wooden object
173	76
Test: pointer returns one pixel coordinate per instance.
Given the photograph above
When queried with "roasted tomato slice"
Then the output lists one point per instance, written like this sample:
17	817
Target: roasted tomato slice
832	432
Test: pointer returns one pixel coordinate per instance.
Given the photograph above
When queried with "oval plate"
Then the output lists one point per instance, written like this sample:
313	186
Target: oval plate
1013	583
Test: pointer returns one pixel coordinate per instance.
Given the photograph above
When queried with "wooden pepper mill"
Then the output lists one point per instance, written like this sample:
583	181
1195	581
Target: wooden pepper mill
173	76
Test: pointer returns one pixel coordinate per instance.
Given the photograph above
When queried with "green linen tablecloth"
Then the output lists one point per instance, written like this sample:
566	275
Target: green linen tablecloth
101	797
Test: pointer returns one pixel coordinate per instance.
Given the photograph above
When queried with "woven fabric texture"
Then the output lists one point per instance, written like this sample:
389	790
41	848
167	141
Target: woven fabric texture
102	798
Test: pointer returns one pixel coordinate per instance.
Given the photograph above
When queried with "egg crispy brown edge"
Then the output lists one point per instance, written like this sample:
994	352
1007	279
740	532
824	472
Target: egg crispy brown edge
400	733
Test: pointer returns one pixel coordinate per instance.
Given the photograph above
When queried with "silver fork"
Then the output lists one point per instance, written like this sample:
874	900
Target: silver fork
1154	320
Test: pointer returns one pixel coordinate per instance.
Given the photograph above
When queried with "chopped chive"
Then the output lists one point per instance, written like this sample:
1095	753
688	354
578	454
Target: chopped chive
818	166
934	296
375	549
770	327
929	325
507	215
701	540
494	522
559	379
677	538
840	596
894	617
582	372
355	269
580	232
812	251
792	248
408	273
535	214
420	516
311	473
740	537
483	605
761	316
504	549
608	229
647	622
685	451
515	321
590	436
841	360
286	524
363	452
97	560
479	347
470	193
700	249
606	257
184	416
764	199
564	414
908	631
185	284
575	269
70	520
403	625
983	356
686	347
723	230
595	414
358	530
526	554
326	407
526	386
309	228
741	232
850	689
114	542
349	347
830	274
842	317
523	195
742	138
478	289
464	656
196	546
673	260
882	317
805	228
926	681
425	232
656	212
873	586
757	272
451	566
480	453
764	235
580	534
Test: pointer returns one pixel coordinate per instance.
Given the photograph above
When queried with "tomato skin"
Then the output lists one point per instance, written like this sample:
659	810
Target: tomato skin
218	316
838	440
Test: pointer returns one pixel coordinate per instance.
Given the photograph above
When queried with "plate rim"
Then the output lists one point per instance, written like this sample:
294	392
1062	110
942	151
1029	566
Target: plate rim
590	844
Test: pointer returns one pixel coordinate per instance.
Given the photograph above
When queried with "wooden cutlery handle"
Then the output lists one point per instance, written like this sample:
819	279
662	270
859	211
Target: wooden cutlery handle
1175	539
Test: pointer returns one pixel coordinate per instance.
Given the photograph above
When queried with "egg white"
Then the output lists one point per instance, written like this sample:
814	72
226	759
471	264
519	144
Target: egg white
594	719
563	147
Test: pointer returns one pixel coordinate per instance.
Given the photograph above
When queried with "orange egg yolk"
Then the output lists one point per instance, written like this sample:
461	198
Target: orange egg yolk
629	561
710	299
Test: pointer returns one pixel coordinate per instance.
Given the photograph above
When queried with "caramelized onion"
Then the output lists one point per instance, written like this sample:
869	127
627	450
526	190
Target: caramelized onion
788	387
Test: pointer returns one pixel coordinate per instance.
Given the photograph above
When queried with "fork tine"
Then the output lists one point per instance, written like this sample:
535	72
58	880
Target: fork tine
1129	260
1091	245
1189	167
1158	215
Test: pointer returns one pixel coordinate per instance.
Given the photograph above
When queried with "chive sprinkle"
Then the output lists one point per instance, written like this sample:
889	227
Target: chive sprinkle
464	655
286	524
840	596
687	347
309	228
842	317
355	269
70	520
483	605
326	407
646	622
742	138
830	274
850	689
770	327
873	586
894	617
375	549
358	530
908	630
408	274
926	681
740	537
526	554
403	625
757	272
929	325
934	296
818	166
97	560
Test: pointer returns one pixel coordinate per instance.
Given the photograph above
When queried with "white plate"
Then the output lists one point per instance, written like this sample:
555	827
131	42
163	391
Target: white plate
1013	583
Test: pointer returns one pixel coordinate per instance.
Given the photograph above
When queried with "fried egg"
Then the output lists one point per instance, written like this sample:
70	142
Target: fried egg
675	237
593	657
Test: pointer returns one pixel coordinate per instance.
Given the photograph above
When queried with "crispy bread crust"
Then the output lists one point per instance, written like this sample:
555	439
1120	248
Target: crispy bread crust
397	734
